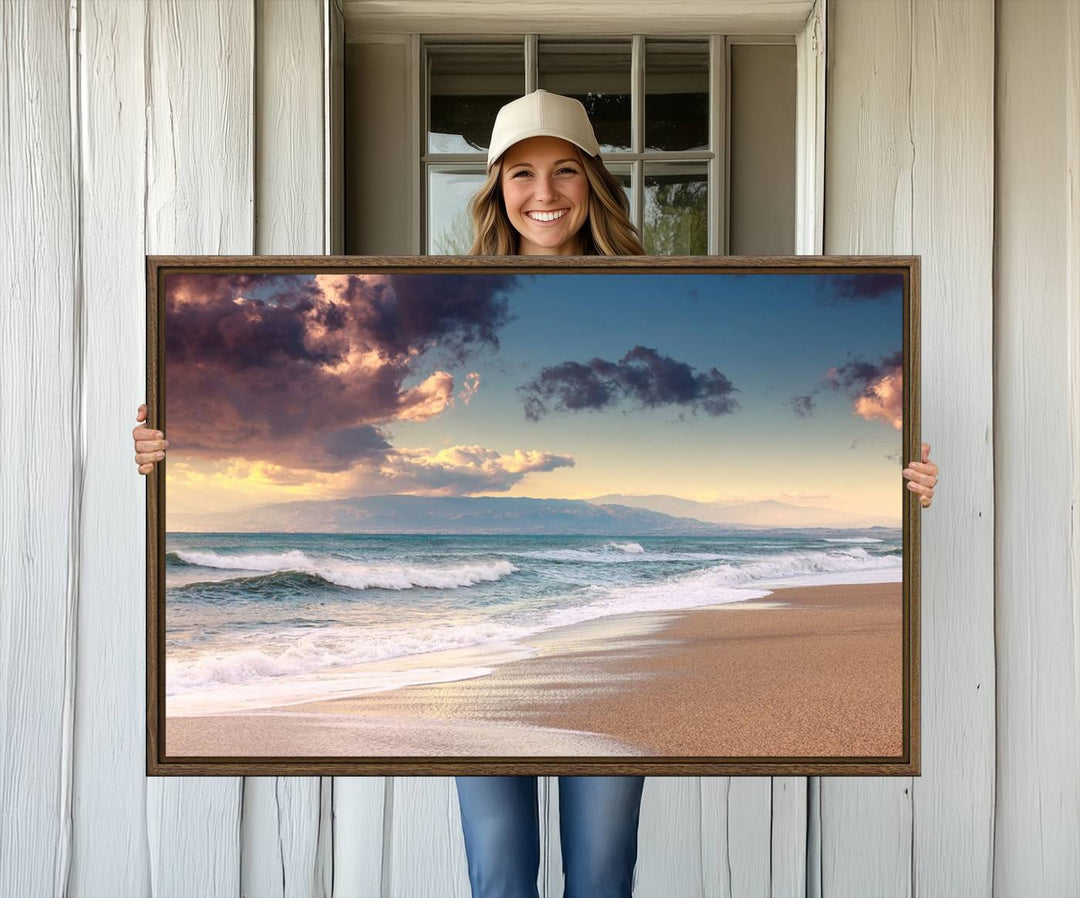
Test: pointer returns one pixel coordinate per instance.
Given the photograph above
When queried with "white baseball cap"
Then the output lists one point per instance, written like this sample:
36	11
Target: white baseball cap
541	114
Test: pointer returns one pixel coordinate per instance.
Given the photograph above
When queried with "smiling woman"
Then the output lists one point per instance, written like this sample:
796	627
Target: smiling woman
546	195
547	191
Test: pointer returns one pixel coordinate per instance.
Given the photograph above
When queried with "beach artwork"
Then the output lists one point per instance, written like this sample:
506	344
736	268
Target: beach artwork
472	514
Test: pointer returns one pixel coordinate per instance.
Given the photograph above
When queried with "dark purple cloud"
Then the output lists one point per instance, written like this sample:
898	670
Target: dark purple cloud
839	288
874	387
456	310
642	376
855	376
302	370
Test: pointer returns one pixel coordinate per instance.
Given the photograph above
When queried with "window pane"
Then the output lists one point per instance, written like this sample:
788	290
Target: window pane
676	209
467	85
623	175
449	191
597	74
676	95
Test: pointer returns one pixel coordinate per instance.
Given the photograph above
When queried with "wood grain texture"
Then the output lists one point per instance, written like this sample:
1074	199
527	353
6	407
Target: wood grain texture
40	446
199	195
424	851
193	834
362	804
1037	304
280	837
109	812
283	815
289	134
670	838
788	835
952	78
865	838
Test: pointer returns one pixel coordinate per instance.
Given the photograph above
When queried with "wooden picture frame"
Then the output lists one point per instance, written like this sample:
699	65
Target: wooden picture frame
472	403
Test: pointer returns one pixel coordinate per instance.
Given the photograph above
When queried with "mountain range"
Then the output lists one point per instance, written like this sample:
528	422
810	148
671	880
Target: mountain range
610	515
766	513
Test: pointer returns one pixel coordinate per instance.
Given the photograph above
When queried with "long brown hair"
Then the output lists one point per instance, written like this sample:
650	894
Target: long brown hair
607	231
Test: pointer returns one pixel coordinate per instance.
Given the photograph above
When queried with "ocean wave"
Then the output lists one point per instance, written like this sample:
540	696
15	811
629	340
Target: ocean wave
272	583
619	553
356	575
628	548
298	653
727	582
174	559
797	564
854	539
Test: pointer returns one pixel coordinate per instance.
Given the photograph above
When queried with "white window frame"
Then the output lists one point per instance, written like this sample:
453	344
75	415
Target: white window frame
809	41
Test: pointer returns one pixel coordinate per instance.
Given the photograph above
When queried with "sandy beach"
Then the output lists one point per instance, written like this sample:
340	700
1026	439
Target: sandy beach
805	671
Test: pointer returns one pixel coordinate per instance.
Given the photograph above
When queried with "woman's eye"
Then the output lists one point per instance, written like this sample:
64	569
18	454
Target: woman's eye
572	171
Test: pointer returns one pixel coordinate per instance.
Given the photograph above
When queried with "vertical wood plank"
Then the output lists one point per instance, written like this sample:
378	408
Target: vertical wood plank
290	163
200	197
715	846
551	875
788	833
952	103
193	832
866	822
425	852
334	125
280	837
670	838
282	815
736	836
1037	814
361	805
40	446
109	813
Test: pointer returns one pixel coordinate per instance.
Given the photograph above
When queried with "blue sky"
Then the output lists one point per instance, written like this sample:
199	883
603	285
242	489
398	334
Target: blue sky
773	336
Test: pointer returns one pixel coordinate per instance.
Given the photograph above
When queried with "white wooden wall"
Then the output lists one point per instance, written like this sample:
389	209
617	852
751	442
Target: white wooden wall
200	127
1036	838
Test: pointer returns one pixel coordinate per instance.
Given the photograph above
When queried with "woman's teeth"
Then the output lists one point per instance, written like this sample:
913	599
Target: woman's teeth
546	216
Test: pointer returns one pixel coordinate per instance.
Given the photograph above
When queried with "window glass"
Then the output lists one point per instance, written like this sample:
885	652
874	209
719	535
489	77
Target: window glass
676	95
467	85
676	209
597	74
623	175
450	188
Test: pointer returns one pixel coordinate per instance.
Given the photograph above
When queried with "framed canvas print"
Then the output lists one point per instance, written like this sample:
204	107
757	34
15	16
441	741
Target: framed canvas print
608	515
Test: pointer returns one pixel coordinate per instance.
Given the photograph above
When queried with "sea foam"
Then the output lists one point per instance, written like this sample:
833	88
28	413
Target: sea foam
357	575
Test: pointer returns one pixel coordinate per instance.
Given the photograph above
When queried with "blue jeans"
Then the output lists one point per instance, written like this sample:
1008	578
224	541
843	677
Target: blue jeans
598	821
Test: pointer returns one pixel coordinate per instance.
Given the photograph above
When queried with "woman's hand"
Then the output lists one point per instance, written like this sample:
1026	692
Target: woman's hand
150	445
922	477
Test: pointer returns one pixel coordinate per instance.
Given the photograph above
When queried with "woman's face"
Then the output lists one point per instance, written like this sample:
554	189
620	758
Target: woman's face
546	195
